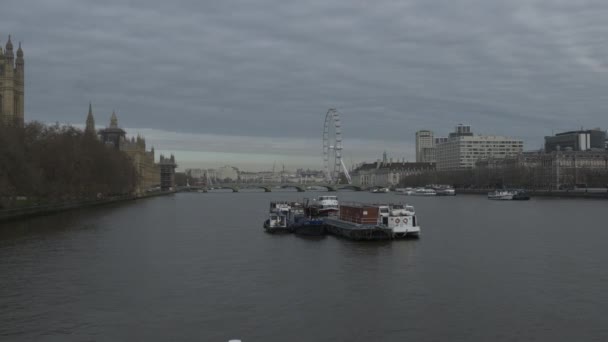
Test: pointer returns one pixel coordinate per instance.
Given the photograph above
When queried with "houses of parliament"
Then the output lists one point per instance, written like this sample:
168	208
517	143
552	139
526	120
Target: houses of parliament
149	173
12	75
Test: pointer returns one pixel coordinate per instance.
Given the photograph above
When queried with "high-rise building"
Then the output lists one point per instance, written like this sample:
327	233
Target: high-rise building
440	140
12	74
462	149
582	140
425	147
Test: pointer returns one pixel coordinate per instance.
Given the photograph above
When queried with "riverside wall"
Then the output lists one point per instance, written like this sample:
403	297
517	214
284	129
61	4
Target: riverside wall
579	193
48	209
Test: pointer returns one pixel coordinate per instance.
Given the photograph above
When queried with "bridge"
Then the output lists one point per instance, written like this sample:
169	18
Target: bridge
268	187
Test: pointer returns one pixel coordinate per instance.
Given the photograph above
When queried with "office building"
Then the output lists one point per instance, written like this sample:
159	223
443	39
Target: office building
462	149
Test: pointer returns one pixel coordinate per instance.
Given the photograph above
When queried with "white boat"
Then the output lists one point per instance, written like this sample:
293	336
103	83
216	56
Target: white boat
400	219
326	205
445	191
380	190
424	192
503	195
280	207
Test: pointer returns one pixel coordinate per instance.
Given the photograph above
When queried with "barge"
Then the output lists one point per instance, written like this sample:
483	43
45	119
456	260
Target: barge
358	221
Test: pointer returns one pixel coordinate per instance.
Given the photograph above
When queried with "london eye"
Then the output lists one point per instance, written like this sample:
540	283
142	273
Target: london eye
332	148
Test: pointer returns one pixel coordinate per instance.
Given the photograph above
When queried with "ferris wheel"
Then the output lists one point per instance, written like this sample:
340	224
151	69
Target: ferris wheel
332	148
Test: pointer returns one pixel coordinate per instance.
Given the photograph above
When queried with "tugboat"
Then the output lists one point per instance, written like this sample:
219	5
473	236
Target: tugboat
277	217
276	223
359	221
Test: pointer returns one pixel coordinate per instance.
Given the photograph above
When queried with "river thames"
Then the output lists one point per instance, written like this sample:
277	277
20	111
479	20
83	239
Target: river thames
198	267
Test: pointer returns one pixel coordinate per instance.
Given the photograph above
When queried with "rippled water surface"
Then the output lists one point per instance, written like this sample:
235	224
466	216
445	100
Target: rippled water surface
198	267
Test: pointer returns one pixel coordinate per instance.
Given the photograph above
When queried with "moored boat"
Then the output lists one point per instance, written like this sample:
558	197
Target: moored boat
424	192
380	190
277	217
323	206
359	221
309	219
521	195
444	190
405	191
276	223
501	195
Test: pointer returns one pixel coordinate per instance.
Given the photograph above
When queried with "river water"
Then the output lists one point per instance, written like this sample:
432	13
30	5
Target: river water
198	267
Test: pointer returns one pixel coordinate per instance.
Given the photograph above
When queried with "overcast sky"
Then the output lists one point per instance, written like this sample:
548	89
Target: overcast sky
247	83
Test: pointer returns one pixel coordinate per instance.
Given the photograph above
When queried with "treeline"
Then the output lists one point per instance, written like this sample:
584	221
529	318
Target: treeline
513	177
60	163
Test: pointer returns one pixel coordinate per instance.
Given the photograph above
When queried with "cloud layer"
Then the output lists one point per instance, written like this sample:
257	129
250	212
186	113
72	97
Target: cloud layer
254	72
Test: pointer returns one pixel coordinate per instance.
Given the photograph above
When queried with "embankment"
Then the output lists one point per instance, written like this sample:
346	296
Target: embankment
594	194
47	209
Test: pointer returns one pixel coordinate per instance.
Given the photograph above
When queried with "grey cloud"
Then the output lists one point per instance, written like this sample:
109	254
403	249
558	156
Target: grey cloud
270	69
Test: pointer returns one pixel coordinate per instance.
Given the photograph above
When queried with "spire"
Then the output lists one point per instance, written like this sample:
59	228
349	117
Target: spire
113	120
8	51
19	51
90	129
9	44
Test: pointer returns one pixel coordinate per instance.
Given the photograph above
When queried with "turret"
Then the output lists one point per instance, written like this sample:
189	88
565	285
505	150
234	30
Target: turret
113	120
20	62
9	51
90	128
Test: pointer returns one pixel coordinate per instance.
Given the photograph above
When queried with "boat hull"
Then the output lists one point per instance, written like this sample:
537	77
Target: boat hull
276	229
309	230
501	198
362	232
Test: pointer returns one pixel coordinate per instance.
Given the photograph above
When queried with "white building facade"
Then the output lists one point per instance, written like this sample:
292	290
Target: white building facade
387	174
462	151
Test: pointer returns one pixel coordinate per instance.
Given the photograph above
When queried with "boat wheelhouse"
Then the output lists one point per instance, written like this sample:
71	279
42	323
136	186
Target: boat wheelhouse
276	223
323	206
278	220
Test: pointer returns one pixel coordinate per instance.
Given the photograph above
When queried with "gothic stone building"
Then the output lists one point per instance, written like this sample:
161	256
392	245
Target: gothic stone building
11	85
148	172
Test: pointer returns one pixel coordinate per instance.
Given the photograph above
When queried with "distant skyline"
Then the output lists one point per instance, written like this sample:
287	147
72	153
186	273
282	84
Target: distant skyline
248	83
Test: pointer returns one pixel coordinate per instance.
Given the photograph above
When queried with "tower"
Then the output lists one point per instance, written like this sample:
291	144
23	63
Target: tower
90	128
425	146
12	77
113	135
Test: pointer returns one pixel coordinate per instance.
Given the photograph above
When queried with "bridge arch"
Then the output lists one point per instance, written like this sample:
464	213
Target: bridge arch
350	187
299	188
